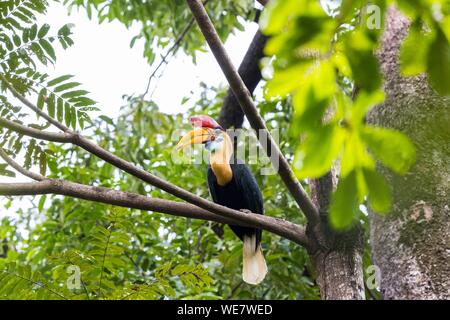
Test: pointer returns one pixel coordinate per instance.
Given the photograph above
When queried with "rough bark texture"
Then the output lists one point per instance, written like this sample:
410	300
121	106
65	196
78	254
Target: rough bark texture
411	245
340	275
337	258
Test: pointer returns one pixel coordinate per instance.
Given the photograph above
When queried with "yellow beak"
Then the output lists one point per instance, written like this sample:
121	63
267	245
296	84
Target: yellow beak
196	136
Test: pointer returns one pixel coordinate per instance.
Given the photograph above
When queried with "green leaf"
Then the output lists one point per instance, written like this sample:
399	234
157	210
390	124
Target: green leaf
42	163
74	116
439	63
84	102
67	86
414	51
22	17
33	32
42	203
17	40
48	48
66	29
286	81
43	30
379	196
360	51
74	94
363	103
60	79
393	148
355	155
26	35
6	172
410	7
315	157
277	14
67	114
348	7
365	69
7	41
317	88
39	53
60	109
107	119
344	205
51	105
41	97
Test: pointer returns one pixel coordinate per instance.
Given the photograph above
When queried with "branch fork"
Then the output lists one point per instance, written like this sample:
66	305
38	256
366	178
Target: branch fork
196	207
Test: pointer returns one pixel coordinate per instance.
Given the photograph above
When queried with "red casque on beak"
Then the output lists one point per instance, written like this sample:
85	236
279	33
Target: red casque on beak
205	122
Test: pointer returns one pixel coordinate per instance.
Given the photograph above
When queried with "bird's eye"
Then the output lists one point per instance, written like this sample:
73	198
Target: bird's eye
213	137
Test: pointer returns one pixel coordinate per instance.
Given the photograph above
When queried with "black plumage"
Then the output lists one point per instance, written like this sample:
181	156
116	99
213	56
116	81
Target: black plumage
242	192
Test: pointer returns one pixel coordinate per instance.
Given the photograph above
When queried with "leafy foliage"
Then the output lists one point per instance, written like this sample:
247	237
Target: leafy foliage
99	271
326	78
326	62
26	47
431	54
162	22
20	282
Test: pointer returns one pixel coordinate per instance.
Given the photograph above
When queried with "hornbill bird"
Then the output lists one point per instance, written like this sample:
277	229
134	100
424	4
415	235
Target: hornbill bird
231	185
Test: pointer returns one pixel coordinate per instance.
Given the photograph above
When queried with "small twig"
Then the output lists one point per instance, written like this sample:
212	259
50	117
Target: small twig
164	58
173	48
40	284
235	288
105	252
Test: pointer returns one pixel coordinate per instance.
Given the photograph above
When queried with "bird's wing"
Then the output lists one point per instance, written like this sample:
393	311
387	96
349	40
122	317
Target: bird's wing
250	190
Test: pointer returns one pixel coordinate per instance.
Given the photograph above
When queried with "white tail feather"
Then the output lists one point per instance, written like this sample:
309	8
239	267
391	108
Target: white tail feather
254	266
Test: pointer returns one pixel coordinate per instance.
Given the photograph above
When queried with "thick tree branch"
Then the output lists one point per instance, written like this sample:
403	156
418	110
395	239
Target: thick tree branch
231	114
215	212
280	227
244	98
86	144
131	200
35	133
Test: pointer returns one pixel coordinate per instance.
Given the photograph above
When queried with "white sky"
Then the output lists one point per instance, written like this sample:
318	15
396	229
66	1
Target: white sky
103	62
101	59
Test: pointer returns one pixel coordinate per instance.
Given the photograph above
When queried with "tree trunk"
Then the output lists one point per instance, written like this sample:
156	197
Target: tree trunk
337	258
339	275
411	245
